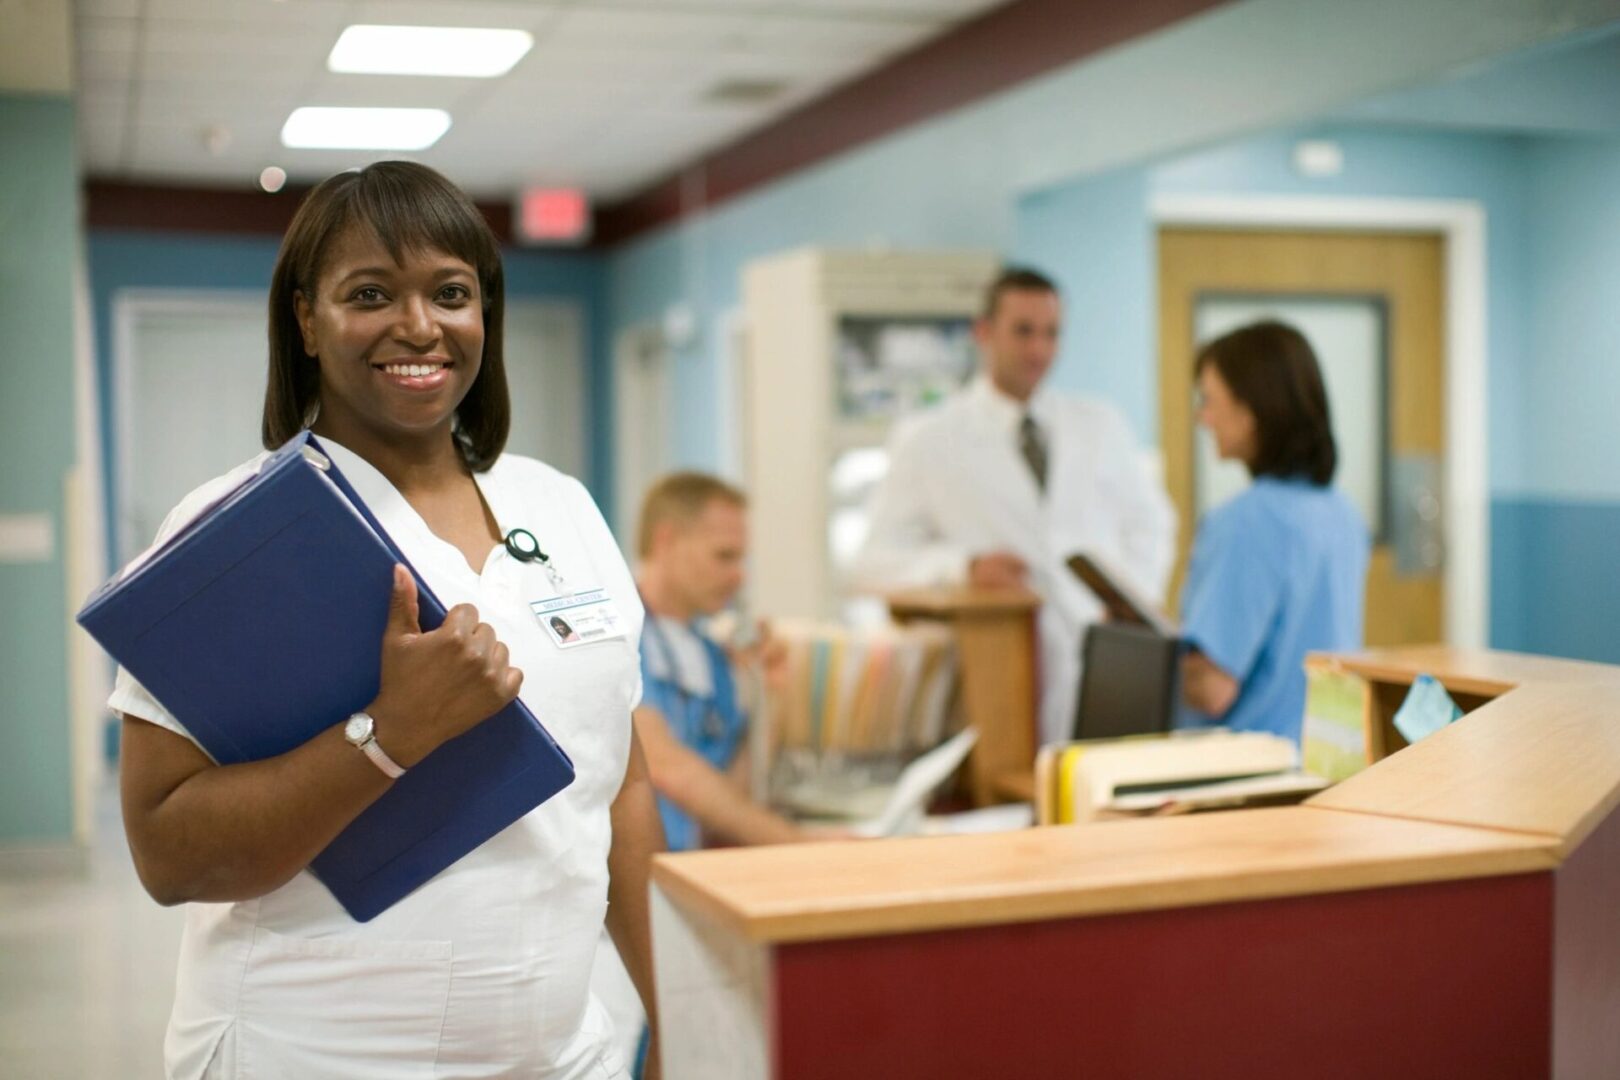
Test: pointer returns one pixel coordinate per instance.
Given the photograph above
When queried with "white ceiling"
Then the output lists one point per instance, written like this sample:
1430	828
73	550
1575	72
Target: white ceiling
611	97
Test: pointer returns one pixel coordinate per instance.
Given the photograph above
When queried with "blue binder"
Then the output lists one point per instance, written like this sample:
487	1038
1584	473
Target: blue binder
259	626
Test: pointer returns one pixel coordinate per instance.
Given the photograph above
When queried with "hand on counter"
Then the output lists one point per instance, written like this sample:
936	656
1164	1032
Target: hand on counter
997	570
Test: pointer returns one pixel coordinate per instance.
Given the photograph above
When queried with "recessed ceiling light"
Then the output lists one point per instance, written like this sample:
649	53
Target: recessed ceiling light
319	128
273	179
428	50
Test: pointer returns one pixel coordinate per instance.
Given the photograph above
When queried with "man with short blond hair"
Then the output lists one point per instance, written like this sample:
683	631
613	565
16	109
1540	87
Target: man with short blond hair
692	541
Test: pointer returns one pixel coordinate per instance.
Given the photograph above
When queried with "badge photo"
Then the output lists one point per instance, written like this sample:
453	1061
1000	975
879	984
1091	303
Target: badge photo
579	618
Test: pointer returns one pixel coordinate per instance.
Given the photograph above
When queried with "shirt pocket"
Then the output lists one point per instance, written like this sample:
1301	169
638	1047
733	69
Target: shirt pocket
319	1007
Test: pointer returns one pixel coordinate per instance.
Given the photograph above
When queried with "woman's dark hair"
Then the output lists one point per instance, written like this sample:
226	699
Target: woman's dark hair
410	208
1270	367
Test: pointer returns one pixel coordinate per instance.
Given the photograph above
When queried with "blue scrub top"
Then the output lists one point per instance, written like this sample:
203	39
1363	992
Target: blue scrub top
712	725
1277	572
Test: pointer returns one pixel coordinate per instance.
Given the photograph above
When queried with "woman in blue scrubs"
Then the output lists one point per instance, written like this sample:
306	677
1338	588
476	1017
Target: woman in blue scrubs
1279	570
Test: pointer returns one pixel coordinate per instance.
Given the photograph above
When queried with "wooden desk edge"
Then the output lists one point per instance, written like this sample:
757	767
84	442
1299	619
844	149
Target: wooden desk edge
1379	669
992	906
1514	672
959	601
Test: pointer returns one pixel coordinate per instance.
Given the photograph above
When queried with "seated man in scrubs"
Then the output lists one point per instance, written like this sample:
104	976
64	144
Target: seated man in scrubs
1279	570
691	542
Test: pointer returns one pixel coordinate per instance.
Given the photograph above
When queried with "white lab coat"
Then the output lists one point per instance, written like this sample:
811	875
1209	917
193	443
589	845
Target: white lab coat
958	486
485	969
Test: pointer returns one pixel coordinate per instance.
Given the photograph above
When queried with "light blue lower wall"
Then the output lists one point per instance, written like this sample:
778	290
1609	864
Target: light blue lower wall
39	246
1555	583
122	260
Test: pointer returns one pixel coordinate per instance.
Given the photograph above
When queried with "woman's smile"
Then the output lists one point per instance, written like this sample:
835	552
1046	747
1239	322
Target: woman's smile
429	373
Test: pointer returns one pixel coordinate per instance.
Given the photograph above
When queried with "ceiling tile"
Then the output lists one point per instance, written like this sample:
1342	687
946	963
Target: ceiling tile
264	44
613	94
533	15
652	29
292	15
97	66
100	146
388	91
106	35
123	9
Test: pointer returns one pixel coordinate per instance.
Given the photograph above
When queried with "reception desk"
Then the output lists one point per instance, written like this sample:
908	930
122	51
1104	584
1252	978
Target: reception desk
1454	910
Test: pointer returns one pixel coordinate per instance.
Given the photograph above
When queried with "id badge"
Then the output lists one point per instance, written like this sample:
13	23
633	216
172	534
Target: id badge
579	618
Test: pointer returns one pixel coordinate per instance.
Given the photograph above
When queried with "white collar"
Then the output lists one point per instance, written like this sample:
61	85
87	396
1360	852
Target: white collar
1004	412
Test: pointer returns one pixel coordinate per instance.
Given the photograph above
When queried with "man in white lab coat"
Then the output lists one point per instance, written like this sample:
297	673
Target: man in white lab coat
1006	479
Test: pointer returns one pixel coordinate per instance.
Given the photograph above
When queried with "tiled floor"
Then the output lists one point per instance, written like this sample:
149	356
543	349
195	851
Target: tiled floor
86	968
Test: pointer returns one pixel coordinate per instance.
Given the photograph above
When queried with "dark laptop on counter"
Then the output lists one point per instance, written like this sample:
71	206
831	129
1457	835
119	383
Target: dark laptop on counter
1130	679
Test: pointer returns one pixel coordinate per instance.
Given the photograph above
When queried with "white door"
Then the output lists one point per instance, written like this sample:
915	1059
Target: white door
191	393
189	402
641	405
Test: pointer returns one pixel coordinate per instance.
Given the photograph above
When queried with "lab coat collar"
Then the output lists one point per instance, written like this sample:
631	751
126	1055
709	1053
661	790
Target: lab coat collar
1005	413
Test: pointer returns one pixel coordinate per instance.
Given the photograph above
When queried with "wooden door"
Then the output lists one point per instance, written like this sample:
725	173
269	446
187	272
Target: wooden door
1372	305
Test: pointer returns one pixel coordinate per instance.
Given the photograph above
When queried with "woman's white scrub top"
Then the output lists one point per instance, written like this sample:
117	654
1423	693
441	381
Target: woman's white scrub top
484	970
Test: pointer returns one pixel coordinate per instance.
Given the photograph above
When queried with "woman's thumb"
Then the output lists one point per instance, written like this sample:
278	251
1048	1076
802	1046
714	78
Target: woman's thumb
402	606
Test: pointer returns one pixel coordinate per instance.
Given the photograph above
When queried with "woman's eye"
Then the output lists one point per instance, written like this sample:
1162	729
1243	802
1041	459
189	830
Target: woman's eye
455	293
367	294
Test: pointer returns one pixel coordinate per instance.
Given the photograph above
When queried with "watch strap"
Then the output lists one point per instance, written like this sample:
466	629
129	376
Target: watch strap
379	757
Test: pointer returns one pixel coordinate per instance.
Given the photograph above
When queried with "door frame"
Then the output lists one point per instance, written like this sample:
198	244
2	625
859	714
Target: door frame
629	345
1461	225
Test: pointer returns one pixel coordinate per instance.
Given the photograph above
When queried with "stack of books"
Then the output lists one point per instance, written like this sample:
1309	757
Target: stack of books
854	707
884	692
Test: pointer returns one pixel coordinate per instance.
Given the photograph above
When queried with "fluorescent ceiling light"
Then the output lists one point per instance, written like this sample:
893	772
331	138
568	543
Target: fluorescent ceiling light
428	50
316	128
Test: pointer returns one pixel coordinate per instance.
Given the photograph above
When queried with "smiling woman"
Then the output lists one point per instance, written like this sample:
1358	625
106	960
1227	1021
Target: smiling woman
386	312
395	262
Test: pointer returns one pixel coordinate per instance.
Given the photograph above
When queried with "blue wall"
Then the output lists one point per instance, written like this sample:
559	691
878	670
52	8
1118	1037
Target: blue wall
1095	239
39	247
1552	208
138	259
889	194
1573	366
1555	584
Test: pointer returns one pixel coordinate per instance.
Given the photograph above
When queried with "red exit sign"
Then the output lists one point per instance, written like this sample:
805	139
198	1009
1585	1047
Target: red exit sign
553	216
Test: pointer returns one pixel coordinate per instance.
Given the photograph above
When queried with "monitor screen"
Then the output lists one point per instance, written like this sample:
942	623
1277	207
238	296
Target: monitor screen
1128	684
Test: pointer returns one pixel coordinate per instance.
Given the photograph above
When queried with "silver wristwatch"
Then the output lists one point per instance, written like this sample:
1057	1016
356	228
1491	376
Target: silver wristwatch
361	731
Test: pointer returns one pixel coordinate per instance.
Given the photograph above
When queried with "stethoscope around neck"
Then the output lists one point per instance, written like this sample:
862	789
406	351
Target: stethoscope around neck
714	725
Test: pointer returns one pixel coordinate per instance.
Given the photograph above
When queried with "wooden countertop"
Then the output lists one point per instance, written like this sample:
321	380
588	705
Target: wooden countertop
816	891
1542	758
1509	789
959	602
1469	671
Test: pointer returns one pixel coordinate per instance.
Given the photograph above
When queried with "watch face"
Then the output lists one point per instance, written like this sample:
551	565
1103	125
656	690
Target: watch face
358	729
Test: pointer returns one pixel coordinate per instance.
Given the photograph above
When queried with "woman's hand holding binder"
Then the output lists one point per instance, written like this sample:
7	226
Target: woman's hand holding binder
438	684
